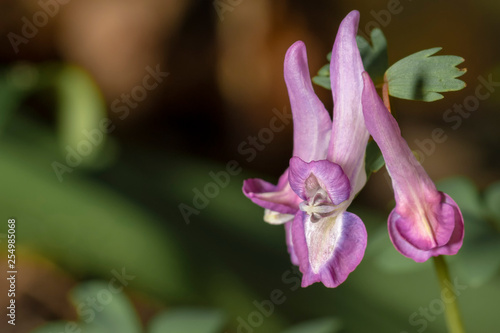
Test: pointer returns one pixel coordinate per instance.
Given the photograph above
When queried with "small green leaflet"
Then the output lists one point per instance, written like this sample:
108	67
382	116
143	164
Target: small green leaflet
374	59
322	81
374	160
422	77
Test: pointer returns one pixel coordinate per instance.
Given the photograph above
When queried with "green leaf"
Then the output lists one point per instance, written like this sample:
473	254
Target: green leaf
478	260
188	321
323	77
16	82
386	258
325	70
10	99
492	201
109	311
322	81
464	192
422	76
374	160
77	212
114	312
81	111
375	59
324	325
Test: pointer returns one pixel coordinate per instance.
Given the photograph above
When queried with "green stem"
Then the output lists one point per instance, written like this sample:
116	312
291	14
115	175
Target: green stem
452	312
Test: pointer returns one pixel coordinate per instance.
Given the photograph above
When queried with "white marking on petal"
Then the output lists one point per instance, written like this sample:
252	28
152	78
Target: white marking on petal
321	238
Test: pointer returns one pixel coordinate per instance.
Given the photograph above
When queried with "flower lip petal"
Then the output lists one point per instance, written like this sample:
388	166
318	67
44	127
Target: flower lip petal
328	175
330	250
311	121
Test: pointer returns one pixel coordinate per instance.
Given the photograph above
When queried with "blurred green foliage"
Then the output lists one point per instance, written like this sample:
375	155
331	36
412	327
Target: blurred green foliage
110	312
125	216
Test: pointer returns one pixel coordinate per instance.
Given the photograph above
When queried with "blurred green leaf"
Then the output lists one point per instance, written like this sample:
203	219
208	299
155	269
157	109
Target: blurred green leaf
188	321
116	315
325	70
15	83
322	81
392	261
464	192
104	230
478	260
232	294
192	175
81	111
10	99
375	59
101	310
492	201
325	325
387	258
323	77
422	76
374	160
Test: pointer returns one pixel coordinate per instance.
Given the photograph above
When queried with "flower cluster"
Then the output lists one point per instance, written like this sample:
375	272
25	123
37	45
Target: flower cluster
327	170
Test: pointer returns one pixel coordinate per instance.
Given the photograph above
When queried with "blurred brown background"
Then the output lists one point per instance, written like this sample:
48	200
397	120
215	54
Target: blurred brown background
226	67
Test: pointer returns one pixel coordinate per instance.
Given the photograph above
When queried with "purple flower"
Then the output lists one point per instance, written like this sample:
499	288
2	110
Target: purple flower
327	167
425	222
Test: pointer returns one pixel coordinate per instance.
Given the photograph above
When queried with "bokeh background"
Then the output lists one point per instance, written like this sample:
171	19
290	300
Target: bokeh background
116	208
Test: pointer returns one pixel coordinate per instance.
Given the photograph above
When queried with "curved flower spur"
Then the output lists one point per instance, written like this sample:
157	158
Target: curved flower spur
327	167
425	222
